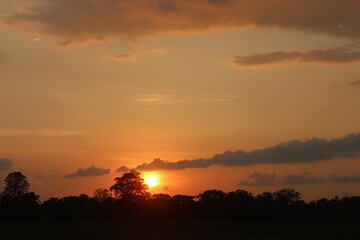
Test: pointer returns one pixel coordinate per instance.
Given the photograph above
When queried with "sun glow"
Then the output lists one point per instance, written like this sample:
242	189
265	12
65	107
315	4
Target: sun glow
151	181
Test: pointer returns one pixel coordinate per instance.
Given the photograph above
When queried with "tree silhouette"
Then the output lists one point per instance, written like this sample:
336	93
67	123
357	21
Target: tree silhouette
102	194
130	187
16	185
287	195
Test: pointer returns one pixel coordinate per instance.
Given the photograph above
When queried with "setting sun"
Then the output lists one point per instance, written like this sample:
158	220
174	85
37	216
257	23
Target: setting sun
151	181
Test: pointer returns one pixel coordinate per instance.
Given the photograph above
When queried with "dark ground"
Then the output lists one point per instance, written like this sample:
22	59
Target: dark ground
175	230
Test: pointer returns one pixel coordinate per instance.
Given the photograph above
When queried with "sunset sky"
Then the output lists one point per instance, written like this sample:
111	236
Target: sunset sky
253	94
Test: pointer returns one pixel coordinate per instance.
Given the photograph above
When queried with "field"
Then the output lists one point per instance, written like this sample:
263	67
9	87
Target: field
103	230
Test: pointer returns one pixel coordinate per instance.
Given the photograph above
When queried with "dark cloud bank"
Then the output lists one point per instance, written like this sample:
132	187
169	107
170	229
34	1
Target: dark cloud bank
88	172
297	151
267	179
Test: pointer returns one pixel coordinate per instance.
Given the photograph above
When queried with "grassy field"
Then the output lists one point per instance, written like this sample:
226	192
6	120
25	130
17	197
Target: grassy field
103	230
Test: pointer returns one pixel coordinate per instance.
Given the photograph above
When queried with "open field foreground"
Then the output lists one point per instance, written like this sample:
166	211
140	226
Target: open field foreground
175	230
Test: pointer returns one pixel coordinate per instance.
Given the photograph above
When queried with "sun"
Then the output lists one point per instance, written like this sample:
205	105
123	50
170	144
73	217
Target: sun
151	181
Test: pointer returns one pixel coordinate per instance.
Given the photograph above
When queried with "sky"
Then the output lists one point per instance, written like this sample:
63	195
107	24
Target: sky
206	94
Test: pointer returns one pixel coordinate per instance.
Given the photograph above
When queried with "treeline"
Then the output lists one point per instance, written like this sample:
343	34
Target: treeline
131	201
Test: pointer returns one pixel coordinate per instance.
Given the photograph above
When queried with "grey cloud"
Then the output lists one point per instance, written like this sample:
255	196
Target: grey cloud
220	2
5	164
332	55
344	179
304	178
39	177
355	83
88	172
267	179
139	18
167	6
122	169
260	179
297	151
47	177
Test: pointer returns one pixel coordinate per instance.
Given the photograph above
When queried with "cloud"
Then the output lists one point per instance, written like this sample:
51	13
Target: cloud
135	56
122	169
355	83
332	55
36	39
304	178
88	172
344	179
267	179
73	21
9	132
120	57
151	99
5	164
260	179
42	177
161	99
39	177
297	151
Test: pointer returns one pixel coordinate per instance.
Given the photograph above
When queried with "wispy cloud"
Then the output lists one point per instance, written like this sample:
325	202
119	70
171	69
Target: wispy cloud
36	39
355	83
160	99
259	179
120	57
332	55
6	164
9	132
139	18
297	151
134	56
88	172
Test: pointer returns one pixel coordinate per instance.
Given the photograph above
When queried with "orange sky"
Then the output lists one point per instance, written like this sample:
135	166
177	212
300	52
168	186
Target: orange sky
98	85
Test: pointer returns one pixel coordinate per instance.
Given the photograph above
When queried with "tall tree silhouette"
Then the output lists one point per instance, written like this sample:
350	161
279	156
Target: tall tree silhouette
16	185
130	187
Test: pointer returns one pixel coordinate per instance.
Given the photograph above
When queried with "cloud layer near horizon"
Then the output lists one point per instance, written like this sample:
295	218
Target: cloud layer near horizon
88	172
73	21
267	179
332	55
297	151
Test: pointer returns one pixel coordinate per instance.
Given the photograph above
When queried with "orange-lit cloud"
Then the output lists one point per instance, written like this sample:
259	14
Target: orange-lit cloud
296	151
160	99
83	21
88	172
332	55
